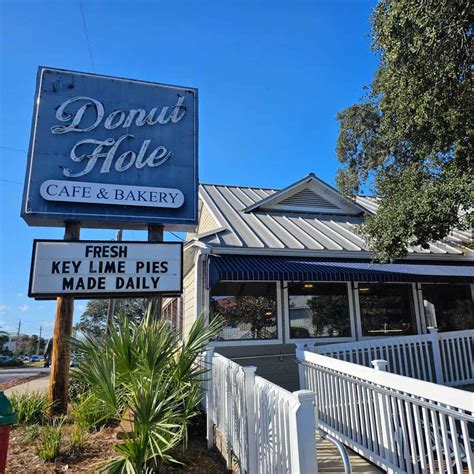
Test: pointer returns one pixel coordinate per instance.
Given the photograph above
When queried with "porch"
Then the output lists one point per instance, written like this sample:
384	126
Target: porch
397	422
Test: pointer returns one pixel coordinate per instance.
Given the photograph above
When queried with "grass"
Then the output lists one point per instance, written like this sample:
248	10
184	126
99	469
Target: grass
48	446
30	406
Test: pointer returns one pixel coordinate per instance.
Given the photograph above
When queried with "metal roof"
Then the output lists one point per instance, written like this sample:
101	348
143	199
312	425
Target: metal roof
290	232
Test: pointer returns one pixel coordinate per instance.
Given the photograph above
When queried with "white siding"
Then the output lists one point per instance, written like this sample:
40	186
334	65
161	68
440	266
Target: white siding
189	293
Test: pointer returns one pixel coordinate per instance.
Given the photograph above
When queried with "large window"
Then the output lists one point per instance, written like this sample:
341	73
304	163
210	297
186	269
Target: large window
386	309
319	310
249	310
449	307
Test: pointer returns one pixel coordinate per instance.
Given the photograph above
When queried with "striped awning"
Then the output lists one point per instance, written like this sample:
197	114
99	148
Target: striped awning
260	268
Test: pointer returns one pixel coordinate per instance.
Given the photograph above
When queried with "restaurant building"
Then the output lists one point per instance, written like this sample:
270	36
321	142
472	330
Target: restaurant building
286	266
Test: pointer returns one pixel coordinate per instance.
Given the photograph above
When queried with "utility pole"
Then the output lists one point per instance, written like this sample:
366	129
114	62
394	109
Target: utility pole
111	307
17	337
39	341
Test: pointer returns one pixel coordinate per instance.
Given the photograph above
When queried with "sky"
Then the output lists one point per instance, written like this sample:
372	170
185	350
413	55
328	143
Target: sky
271	75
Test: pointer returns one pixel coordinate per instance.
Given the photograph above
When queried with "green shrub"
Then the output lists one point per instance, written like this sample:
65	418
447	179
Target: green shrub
144	373
48	445
30	406
90	412
77	439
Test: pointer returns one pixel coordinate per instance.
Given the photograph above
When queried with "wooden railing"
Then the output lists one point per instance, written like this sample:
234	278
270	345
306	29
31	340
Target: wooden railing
445	358
399	423
264	427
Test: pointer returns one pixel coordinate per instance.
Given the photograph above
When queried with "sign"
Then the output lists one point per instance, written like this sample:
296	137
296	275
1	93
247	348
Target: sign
97	269
111	152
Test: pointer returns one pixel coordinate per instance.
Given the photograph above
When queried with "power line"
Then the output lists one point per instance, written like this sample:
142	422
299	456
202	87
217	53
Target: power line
87	36
13	149
11	182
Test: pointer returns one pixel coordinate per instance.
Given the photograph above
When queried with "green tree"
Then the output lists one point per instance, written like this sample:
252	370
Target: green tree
412	136
94	318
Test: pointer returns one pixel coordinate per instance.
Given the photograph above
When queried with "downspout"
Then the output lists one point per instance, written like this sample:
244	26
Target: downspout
200	290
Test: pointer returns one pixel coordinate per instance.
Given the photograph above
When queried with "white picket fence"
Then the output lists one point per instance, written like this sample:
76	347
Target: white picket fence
401	424
266	428
445	358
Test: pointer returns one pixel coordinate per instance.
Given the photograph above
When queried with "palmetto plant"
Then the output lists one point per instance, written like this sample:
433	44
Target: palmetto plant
148	378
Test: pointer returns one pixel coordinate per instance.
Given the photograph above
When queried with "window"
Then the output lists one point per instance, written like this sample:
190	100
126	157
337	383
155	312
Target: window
173	312
448	307
249	310
386	309
319	310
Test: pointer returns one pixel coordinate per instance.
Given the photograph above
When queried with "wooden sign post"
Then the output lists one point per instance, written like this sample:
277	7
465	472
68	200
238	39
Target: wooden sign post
155	234
61	355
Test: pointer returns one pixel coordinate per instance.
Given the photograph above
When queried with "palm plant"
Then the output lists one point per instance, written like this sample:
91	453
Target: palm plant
147	378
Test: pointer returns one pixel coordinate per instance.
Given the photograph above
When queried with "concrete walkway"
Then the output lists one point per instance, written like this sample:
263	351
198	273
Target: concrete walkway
38	385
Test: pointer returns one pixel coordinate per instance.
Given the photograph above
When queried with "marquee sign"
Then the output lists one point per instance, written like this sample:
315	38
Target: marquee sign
111	152
97	269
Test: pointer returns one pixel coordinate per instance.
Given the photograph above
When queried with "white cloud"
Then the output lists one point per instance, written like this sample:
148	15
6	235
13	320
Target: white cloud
81	307
20	295
3	308
24	308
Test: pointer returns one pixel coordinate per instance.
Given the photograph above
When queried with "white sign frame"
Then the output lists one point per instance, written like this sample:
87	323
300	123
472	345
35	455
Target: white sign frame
43	257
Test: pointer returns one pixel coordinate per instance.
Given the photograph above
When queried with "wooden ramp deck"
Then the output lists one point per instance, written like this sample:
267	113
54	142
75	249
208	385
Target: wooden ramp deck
330	461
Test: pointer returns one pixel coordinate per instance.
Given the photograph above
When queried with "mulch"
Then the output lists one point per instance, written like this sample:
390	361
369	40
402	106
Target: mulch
99	447
14	383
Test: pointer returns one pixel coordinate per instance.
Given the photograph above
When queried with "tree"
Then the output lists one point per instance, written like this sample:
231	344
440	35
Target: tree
94	318
412	138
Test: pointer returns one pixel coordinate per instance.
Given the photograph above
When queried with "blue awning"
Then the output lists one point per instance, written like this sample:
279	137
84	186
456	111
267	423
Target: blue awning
259	268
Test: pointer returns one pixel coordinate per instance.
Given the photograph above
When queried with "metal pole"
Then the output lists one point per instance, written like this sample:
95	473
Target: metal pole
39	341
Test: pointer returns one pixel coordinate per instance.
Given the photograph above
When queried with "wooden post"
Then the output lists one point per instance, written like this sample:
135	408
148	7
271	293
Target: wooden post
61	355
155	234
111	306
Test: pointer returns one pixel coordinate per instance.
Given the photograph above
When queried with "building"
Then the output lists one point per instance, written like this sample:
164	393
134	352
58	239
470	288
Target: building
287	266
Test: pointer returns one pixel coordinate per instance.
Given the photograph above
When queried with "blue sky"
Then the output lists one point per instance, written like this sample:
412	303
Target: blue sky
271	75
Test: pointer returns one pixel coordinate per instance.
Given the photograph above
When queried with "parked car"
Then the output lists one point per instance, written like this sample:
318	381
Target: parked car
5	358
35	358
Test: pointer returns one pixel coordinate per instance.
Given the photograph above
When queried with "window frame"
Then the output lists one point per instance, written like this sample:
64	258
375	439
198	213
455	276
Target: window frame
416	309
320	339
252	342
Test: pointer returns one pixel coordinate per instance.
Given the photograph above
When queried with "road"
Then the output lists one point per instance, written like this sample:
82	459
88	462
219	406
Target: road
7	375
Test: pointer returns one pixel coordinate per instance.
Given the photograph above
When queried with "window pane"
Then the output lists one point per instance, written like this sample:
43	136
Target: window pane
386	309
452	305
319	310
249	310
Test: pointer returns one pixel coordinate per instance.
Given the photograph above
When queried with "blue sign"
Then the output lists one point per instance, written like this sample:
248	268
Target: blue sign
111	152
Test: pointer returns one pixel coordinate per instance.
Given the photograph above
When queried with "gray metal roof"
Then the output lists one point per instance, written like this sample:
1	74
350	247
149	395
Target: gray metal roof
229	226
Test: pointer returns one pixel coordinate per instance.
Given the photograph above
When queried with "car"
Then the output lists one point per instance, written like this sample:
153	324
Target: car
75	360
5	358
35	358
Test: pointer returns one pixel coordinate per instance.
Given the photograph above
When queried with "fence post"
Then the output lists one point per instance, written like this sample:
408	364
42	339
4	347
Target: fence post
303	426
249	384
382	365
438	366
209	398
300	347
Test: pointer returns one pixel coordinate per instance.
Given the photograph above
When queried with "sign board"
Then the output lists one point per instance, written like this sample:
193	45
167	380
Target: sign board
99	269
111	152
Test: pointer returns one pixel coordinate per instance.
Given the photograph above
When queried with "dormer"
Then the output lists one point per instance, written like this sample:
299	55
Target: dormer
308	195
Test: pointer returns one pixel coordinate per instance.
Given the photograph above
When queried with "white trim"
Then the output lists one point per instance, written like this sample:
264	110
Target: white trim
355	254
